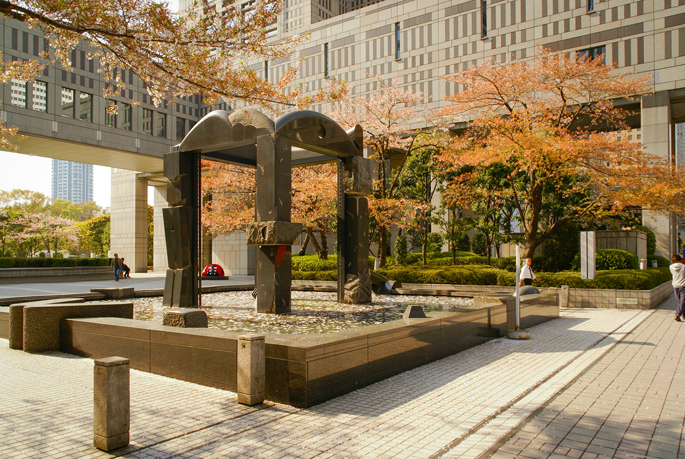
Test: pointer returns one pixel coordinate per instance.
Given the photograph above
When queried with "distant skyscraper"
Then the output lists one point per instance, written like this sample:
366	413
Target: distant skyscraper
71	181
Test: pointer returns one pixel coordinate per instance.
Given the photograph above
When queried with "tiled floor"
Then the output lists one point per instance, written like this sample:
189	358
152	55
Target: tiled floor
589	380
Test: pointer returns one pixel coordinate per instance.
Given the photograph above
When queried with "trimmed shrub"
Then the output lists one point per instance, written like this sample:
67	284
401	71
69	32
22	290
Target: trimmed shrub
401	249
465	275
479	244
435	242
42	262
626	279
610	259
504	263
314	263
662	262
560	247
315	275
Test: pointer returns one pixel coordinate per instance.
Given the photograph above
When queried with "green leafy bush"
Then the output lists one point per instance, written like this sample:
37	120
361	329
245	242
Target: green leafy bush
465	275
401	249
42	262
625	279
435	242
479	244
662	262
314	263
329	275
610	259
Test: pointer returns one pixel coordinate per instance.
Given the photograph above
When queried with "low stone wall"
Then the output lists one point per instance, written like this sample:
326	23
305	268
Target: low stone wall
4	322
301	370
621	299
76	273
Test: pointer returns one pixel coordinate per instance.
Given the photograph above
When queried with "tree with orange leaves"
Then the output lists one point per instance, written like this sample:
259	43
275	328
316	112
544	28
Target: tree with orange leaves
232	190
537	121
203	51
390	118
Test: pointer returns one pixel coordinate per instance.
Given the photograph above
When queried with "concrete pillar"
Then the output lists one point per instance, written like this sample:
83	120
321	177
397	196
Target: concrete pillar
128	235
657	138
160	263
111	403
251	369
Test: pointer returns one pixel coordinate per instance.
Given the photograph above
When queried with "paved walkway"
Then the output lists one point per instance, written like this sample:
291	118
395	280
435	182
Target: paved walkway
594	383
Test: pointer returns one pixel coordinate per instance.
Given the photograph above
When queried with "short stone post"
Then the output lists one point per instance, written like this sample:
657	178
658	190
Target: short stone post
111	407
251	369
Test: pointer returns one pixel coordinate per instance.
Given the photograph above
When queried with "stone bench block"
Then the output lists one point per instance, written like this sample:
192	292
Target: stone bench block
115	293
16	318
185	318
41	321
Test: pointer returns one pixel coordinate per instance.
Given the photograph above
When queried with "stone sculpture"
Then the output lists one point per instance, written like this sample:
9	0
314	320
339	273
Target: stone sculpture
249	138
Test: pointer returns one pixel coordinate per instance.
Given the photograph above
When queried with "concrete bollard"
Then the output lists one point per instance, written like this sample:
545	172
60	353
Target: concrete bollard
251	369
111	403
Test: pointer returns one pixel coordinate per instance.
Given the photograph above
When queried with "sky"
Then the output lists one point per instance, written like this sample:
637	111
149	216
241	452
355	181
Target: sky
19	171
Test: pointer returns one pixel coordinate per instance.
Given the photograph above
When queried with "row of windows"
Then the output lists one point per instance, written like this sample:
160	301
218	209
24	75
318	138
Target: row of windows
79	105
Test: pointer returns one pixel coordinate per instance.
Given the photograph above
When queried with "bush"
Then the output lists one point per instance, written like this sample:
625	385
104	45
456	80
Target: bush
662	262
626	279
610	259
462	242
435	242
479	245
401	249
651	239
329	275
57	255
42	262
504	263
314	263
464	275
561	246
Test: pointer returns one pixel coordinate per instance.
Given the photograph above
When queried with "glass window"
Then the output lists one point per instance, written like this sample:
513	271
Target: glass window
484	18
180	128
67	103
593	53
397	40
126	115
40	96
19	93
160	124
111	115
147	121
590	5
85	111
325	60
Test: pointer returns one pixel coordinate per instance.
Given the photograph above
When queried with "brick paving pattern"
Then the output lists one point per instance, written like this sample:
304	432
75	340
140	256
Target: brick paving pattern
570	389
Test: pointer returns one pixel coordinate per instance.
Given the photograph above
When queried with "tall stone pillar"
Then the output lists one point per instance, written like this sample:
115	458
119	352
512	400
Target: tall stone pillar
128	228
159	252
272	232
657	138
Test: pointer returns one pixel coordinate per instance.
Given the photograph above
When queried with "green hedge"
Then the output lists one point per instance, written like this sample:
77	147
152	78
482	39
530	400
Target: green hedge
610	259
465	275
6	262
329	275
624	279
662	262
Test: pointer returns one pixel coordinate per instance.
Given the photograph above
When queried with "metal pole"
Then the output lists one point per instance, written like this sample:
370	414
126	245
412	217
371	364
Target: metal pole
518	289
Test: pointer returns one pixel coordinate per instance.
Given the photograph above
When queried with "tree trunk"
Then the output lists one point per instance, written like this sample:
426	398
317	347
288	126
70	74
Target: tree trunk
488	243
315	243
424	247
382	245
303	249
324	245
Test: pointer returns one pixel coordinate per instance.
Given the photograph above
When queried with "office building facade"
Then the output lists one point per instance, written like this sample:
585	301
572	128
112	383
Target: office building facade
72	181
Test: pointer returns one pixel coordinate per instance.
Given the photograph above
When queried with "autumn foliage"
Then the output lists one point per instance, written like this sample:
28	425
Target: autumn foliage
539	122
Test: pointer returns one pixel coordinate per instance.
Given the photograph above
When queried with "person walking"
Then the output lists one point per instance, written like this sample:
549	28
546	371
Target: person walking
116	264
527	276
678	273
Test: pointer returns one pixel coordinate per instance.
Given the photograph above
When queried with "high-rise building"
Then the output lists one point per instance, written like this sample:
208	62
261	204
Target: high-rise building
680	143
72	181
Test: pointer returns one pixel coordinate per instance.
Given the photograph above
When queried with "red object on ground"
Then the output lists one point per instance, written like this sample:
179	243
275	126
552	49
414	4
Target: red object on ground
213	271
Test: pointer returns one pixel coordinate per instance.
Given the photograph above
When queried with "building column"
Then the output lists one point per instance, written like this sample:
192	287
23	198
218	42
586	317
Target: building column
160	262
657	138
128	232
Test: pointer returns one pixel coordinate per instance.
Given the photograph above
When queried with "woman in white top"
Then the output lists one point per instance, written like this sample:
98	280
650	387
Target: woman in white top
527	276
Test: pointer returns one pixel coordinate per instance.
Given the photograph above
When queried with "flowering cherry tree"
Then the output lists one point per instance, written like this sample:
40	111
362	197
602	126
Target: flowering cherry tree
390	117
537	120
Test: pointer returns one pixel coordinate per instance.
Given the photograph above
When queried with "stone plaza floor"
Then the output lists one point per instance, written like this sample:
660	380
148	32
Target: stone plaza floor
593	383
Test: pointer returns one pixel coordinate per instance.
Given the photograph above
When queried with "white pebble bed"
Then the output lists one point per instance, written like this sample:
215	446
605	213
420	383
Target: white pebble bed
311	312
